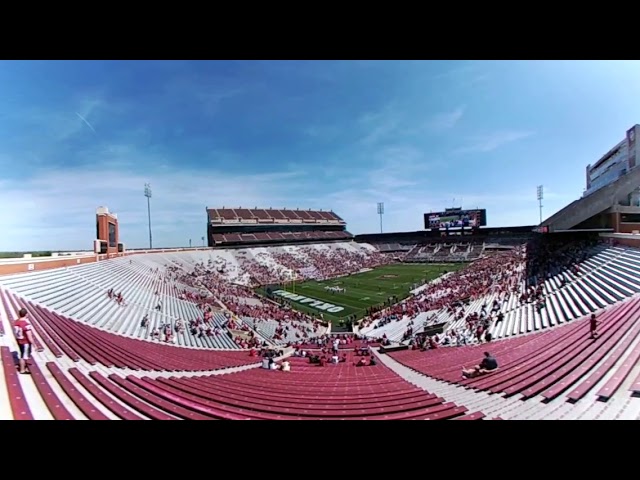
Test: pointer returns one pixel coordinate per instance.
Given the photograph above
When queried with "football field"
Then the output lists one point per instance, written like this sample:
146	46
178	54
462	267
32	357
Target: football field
339	298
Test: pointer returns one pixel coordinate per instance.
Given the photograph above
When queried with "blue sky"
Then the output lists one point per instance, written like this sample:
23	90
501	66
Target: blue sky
342	135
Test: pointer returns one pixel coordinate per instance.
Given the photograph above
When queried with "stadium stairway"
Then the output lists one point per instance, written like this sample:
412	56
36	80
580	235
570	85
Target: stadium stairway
557	374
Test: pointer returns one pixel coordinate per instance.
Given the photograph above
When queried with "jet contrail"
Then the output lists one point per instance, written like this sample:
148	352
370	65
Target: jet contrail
87	122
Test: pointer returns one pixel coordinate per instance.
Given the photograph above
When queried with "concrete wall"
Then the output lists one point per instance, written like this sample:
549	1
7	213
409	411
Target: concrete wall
622	239
583	209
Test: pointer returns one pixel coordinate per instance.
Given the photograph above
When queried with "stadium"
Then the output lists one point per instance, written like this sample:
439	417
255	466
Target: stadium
283	314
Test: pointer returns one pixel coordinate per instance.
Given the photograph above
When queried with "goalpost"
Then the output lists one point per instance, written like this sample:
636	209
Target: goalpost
292	279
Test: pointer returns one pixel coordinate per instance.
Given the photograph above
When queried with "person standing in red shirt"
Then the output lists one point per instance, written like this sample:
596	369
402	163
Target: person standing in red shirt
23	331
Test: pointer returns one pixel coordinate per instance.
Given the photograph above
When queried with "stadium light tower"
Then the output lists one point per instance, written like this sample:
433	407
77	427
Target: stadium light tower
147	193
380	212
540	198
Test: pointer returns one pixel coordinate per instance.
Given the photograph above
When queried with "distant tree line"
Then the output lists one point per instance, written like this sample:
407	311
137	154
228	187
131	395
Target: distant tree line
21	254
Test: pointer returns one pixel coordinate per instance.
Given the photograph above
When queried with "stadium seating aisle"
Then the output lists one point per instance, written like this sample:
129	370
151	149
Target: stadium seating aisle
546	364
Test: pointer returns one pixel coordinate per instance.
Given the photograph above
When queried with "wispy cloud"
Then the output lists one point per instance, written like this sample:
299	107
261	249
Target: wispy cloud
86	122
378	125
206	94
493	141
46	128
463	75
324	133
446	120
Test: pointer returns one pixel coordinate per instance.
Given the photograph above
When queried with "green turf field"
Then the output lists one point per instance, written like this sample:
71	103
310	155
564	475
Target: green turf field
363	290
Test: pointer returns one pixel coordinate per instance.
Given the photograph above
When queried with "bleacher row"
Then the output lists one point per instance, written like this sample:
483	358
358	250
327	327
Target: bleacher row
565	363
271	215
279	237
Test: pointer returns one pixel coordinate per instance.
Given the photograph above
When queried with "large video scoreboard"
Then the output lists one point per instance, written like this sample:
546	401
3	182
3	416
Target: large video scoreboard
455	218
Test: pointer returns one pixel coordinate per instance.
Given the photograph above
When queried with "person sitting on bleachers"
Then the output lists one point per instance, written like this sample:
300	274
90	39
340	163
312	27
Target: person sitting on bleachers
361	363
489	364
168	333
343	359
179	326
286	366
155	334
144	323
373	361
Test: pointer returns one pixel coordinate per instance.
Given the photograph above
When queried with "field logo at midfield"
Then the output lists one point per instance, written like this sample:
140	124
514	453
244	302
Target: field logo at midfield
312	302
388	276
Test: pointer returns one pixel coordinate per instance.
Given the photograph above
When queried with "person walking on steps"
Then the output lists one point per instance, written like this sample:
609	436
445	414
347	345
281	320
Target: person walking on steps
593	326
23	332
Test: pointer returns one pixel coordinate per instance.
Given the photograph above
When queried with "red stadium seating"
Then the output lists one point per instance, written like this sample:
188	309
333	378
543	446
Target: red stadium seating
546	363
307	392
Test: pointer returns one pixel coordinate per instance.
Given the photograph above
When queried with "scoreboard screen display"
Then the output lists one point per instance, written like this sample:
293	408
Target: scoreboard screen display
113	241
456	218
